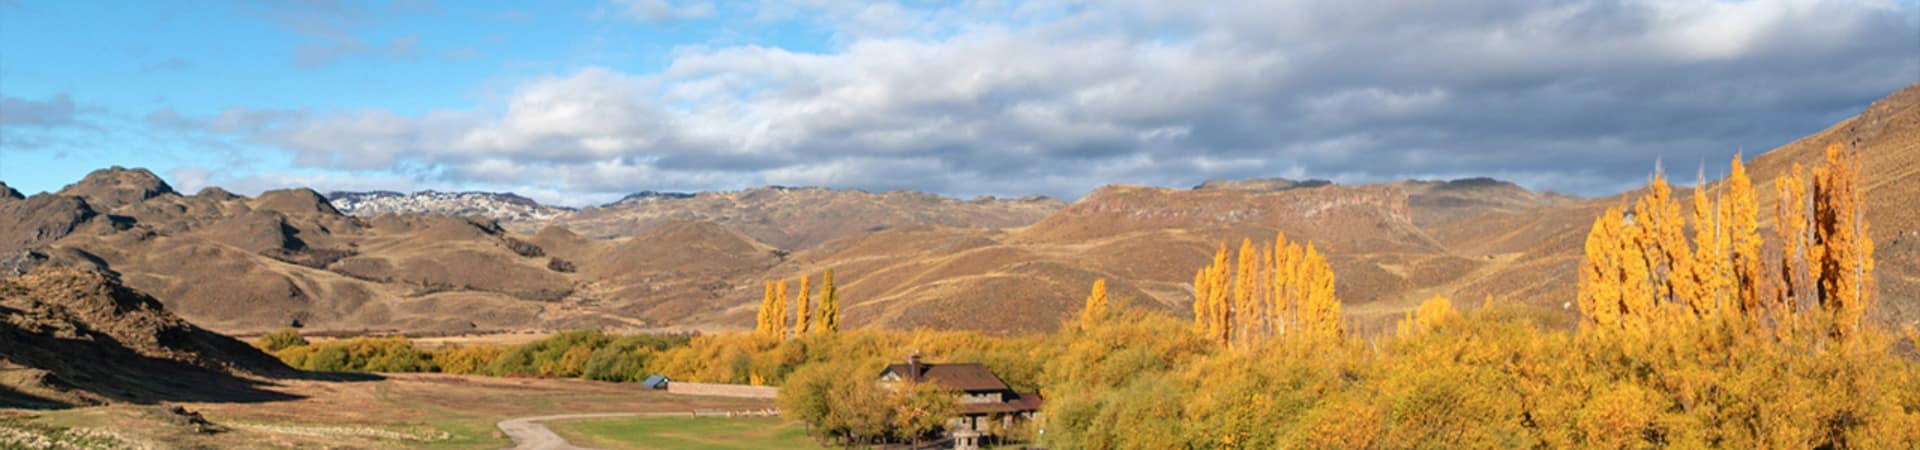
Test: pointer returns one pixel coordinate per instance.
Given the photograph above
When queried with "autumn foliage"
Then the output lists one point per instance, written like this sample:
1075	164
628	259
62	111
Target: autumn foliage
771	318
1278	292
1640	271
1707	319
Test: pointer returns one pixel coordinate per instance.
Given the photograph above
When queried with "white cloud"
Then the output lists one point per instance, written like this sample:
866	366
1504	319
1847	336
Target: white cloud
1573	95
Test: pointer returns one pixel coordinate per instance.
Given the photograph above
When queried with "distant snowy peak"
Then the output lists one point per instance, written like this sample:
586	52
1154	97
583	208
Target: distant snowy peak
648	195
503	207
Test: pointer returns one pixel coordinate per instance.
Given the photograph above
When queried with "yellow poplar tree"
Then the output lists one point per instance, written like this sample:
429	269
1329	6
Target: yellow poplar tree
1710	245
1320	316
766	308
1243	289
1096	306
1285	293
803	312
1744	204
1639	272
1600	272
777	315
1840	231
1790	226
827	318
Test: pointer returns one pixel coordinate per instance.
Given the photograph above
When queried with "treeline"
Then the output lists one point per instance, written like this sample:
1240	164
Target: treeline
588	354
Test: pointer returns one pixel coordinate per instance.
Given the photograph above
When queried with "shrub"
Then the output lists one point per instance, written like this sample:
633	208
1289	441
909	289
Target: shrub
470	359
280	340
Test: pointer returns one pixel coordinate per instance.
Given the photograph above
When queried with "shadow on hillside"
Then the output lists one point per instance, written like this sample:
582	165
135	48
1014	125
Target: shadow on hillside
10	398
99	368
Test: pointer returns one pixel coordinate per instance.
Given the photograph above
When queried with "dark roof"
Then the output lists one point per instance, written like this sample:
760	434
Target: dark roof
968	377
1012	403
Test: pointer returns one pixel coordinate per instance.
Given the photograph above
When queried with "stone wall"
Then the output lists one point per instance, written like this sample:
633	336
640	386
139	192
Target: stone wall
722	390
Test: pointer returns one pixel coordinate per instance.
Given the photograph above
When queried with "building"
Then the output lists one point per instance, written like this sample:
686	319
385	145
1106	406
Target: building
985	401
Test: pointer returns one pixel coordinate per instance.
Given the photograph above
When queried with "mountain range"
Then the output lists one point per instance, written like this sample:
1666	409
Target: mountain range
433	262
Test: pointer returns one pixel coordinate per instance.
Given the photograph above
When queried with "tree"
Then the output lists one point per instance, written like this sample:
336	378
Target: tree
777	319
1287	292
1744	206
281	339
1845	251
1096	305
828	320
1637	268
1792	281
920	409
763	318
803	314
1243	290
1601	288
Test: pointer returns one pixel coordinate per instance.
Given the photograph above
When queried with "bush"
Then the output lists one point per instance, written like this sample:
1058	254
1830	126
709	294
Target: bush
564	354
361	354
467	360
280	340
626	358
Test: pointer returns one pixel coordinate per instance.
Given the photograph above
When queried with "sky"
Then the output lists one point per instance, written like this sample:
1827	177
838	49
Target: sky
582	102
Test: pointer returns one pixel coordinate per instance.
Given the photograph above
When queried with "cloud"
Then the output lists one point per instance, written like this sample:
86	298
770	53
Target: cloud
318	54
661	11
336	31
57	111
1574	95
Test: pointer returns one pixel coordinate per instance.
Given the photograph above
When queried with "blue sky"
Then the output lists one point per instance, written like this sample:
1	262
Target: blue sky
581	102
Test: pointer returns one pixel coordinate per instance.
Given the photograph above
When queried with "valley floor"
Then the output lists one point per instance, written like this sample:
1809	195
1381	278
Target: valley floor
399	411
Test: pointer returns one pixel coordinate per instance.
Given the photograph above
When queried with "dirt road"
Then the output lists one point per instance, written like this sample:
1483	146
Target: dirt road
531	433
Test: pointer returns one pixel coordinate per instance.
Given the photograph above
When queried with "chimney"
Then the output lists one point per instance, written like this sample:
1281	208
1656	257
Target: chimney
914	369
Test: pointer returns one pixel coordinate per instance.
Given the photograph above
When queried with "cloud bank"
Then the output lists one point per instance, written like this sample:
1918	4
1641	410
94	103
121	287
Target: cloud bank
1057	98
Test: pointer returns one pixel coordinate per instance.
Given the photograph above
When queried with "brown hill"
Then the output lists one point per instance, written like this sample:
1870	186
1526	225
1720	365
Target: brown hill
70	337
1540	248
903	259
116	187
797	218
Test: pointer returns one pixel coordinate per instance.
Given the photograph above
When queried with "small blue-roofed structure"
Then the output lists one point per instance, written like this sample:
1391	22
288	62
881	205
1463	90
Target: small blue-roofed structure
655	382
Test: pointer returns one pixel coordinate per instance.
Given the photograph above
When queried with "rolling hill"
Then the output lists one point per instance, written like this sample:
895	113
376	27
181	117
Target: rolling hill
903	259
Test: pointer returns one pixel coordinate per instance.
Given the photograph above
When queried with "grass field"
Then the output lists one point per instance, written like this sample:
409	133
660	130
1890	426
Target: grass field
703	433
402	411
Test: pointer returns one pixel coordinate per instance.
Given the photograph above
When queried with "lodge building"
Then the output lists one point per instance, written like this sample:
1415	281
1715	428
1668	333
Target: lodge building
984	400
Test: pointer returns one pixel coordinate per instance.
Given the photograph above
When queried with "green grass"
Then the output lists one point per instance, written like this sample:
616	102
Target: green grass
704	433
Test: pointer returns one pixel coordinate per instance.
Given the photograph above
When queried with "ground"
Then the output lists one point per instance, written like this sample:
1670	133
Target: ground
710	433
399	411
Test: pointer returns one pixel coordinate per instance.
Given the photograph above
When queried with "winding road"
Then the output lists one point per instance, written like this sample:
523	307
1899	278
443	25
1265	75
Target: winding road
531	433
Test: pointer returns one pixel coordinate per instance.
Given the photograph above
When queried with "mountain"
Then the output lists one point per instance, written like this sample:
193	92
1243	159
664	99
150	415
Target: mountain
796	218
902	259
785	217
510	210
75	337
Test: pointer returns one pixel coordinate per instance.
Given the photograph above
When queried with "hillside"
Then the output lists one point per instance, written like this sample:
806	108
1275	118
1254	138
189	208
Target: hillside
797	218
1540	247
76	337
675	261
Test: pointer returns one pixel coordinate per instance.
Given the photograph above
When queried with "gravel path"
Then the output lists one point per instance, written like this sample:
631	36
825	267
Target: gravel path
531	433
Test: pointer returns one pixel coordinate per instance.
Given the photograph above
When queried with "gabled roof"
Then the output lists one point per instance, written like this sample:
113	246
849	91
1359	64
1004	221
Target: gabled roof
1013	403
969	377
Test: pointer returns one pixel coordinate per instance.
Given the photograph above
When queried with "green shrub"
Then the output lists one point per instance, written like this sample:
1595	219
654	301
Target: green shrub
280	340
